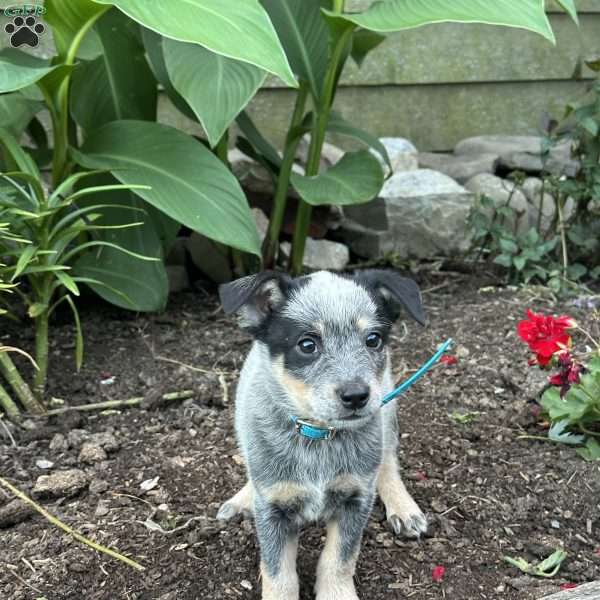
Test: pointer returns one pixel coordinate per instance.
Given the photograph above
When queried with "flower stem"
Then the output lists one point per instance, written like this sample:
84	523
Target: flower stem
41	354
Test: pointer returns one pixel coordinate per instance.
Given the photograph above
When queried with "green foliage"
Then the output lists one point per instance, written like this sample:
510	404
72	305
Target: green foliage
549	567
49	233
578	410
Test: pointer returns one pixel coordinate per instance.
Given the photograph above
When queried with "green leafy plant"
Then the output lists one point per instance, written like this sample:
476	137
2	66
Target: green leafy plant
549	567
572	401
563	253
50	235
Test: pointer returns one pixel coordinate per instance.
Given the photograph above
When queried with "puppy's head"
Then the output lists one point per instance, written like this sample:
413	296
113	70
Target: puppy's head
326	335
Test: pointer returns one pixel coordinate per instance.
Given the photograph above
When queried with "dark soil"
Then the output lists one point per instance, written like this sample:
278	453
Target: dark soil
489	493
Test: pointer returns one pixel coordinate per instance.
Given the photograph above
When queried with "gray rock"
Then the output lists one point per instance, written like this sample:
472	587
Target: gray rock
179	280
321	254
503	193
402	152
76	437
210	257
98	486
330	154
92	453
60	484
251	175
105	440
58	443
418	214
522	152
462	167
102	509
262	223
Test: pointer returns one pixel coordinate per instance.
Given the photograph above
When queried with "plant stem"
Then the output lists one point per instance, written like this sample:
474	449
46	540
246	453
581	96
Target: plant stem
7	405
271	243
587	431
98	547
222	147
322	112
21	389
563	237
41	354
111	404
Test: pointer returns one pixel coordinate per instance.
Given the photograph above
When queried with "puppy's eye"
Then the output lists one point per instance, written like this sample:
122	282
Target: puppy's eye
307	345
374	341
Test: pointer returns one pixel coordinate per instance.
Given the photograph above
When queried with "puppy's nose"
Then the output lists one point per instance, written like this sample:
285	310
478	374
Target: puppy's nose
354	395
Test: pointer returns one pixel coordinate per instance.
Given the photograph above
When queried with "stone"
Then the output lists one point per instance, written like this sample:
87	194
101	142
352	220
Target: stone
501	191
462	167
92	453
212	258
76	437
418	214
262	223
106	440
402	152
60	484
251	175
102	509
179	280
58	443
321	254
98	486
522	152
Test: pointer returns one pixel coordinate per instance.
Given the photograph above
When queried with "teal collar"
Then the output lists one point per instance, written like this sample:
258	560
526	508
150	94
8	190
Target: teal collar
315	432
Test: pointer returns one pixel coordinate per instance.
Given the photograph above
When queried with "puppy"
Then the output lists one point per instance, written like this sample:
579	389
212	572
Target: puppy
320	354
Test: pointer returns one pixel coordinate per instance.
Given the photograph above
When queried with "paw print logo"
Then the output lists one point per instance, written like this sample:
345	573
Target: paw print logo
24	31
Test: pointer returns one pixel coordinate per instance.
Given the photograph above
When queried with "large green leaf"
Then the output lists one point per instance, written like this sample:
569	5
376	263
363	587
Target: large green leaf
19	69
109	88
16	111
216	87
188	182
570	8
363	41
69	19
142	284
305	37
153	42
357	178
238	29
395	15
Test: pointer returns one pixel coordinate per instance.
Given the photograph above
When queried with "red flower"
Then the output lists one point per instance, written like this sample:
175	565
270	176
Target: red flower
545	335
438	573
568	586
569	373
449	360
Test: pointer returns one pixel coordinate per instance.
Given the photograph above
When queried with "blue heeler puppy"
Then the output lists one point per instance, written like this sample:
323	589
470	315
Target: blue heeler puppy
320	354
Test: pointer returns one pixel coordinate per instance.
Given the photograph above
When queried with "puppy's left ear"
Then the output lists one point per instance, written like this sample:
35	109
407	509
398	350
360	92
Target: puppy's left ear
393	288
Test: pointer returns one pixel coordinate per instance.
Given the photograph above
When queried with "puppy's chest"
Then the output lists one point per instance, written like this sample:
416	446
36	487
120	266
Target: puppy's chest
316	500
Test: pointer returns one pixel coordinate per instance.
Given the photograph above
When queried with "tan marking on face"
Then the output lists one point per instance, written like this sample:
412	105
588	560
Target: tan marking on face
297	390
285	492
285	584
363	323
335	580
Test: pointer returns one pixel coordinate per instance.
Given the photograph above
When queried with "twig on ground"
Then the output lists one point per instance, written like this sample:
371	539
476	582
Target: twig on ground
8	433
190	367
128	403
55	521
31	587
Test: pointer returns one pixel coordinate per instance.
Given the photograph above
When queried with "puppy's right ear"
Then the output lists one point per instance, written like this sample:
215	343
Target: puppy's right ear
254	297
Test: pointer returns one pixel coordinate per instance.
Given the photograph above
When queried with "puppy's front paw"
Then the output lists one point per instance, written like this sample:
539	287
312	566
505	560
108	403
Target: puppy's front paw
240	504
228	510
411	526
336	591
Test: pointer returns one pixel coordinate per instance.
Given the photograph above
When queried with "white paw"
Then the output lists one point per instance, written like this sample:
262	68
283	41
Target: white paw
230	509
412	526
338	593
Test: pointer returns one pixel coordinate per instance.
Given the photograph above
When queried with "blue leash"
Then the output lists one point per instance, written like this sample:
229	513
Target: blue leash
314	432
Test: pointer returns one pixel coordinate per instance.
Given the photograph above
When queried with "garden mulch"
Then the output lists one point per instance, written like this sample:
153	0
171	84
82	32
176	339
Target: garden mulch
489	493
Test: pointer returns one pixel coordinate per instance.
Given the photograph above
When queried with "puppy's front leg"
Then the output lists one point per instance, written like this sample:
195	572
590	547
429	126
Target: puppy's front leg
278	539
402	512
335	571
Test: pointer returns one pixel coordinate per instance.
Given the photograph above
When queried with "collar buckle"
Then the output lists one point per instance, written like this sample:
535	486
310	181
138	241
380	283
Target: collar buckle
314	432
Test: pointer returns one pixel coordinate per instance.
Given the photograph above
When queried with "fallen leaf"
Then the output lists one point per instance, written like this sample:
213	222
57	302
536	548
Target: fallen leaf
568	586
438	573
449	360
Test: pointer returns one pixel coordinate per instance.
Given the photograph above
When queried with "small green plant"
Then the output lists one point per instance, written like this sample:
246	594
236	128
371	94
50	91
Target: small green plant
549	567
464	418
50	234
572	401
